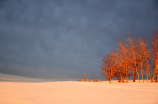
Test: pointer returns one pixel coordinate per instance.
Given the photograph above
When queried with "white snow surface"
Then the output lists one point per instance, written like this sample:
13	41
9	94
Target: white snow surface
73	92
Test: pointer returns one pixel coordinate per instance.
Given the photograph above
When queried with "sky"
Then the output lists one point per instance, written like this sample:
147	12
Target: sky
66	38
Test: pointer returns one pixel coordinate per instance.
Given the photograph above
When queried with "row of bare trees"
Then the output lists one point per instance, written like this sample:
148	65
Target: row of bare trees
132	59
85	79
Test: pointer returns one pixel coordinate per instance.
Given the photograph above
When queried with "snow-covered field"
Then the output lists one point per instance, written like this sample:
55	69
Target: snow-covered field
71	92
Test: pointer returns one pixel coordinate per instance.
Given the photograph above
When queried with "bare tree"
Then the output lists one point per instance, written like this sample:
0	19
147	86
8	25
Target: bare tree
116	64
155	55
134	59
108	67
117	68
144	54
124	54
85	77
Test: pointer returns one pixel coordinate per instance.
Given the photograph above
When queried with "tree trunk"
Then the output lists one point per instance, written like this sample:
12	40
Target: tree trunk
147	74
138	77
133	79
142	70
137	73
122	79
148	70
126	73
134	76
142	78
110	80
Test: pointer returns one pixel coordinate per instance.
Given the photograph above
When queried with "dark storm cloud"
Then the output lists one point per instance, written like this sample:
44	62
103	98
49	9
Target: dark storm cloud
67	38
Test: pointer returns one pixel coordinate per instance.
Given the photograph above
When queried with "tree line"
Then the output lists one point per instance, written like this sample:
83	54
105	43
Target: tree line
133	58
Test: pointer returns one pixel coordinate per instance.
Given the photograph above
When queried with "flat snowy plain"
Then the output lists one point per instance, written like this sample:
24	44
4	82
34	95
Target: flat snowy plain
73	92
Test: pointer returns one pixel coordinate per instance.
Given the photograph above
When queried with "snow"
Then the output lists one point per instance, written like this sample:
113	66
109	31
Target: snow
73	92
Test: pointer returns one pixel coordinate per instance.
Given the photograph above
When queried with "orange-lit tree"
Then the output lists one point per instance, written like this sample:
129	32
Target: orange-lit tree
144	55
85	77
154	54
108	67
115	65
119	67
133	58
118	72
123	62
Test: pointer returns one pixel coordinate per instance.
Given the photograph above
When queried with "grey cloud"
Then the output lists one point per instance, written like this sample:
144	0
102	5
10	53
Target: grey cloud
65	39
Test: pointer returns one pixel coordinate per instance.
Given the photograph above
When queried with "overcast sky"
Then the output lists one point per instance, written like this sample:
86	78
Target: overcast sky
67	38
